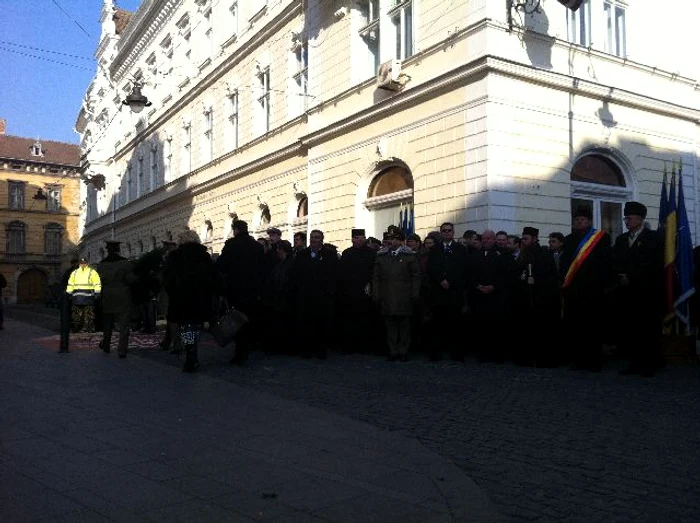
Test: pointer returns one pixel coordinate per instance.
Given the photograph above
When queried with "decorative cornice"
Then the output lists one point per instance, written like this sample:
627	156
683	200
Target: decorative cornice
146	24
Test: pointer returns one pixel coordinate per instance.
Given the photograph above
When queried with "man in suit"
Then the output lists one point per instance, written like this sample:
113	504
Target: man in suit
586	265
638	265
447	275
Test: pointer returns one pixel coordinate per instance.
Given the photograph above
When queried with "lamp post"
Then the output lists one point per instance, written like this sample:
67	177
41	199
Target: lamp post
39	196
136	100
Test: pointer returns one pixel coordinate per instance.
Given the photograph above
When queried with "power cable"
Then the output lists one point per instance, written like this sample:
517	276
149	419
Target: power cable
71	18
47	51
46	59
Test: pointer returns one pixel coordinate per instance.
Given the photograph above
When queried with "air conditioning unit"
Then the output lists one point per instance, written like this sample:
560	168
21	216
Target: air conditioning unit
389	76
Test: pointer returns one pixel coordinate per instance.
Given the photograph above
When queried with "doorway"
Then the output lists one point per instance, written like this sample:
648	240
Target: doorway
32	287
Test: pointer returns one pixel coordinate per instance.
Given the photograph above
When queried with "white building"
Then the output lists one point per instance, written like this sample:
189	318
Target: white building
487	116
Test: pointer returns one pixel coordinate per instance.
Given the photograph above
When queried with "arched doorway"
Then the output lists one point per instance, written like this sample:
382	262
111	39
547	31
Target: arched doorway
32	286
390	198
598	182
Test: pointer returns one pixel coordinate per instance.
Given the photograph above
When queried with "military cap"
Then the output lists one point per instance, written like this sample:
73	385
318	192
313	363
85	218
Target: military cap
530	231
358	232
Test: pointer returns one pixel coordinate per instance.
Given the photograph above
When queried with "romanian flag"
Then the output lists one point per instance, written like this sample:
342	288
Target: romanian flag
671	230
684	258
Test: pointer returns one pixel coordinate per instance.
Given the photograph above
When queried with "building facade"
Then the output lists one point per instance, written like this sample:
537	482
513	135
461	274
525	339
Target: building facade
39	212
334	114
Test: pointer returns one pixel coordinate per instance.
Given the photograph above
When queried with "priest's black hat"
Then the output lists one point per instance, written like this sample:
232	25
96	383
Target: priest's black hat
635	208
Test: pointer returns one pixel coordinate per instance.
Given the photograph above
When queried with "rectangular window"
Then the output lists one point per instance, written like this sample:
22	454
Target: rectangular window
155	175
131	184
186	149
16	195
302	75
233	119
579	25
53	202
52	240
208	146
264	99
209	34
167	160
233	18
402	21
16	238
616	41
369	13
140	186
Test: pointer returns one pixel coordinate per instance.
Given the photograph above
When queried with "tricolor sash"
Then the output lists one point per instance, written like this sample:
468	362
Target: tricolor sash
583	250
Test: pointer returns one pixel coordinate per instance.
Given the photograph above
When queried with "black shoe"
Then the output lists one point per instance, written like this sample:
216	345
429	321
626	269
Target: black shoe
392	358
122	354
162	346
105	348
405	358
190	366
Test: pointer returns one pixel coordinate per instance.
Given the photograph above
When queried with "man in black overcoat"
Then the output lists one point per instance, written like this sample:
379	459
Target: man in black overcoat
586	268
355	307
314	278
447	273
489	270
638	261
241	266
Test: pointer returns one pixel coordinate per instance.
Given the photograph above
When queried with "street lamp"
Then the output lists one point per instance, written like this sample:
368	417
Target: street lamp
136	101
529	7
39	195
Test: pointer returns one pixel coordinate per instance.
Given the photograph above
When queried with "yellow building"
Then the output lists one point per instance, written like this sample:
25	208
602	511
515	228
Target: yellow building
39	209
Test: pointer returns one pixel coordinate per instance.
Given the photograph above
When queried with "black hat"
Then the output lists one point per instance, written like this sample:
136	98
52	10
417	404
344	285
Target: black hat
274	230
392	229
358	232
584	211
635	208
397	235
83	259
414	237
530	231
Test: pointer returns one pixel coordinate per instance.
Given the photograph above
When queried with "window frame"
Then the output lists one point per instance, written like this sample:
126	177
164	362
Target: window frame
16	193
234	118
615	36
53	239
263	99
208	148
53	198
577	21
16	234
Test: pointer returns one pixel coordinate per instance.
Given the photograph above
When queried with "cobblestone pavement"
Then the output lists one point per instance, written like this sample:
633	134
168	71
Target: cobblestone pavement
544	444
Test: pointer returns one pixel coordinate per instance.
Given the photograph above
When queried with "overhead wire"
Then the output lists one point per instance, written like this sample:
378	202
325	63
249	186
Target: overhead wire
5	42
71	18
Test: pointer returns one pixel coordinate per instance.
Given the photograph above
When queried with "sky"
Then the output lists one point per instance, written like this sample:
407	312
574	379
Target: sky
47	61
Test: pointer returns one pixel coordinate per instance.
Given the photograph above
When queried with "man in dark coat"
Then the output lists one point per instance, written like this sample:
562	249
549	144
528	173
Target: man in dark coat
357	314
447	274
117	276
242	268
586	268
638	262
536	301
489	270
314	277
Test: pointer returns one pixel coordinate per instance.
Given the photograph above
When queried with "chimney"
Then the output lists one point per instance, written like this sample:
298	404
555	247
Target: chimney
3	126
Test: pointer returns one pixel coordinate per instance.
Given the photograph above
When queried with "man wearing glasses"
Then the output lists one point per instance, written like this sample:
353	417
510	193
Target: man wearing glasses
446	270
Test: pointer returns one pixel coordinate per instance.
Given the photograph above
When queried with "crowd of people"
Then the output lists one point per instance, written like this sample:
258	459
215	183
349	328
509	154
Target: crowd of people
443	296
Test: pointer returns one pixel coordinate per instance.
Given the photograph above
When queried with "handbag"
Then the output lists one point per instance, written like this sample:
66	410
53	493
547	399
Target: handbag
227	326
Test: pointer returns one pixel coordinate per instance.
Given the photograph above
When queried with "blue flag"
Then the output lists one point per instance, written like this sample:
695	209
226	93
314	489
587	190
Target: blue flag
663	205
684	258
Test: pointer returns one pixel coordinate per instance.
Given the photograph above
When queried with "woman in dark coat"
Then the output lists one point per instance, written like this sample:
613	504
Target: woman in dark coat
189	282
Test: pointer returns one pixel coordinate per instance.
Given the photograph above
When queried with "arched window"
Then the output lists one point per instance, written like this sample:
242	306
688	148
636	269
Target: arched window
53	239
598	182
390	199
597	169
394	179
16	238
303	208
265	217
140	246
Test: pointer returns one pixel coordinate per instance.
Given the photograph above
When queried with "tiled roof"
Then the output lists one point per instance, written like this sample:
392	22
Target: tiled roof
56	153
121	19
